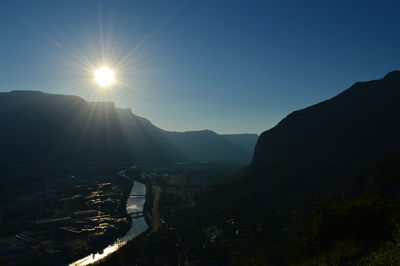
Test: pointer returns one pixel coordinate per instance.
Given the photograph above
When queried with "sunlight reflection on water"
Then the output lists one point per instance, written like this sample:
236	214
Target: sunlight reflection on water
133	207
139	225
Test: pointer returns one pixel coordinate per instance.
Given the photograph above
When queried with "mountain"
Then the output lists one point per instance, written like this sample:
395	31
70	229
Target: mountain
245	141
268	214
48	130
318	149
304	163
206	145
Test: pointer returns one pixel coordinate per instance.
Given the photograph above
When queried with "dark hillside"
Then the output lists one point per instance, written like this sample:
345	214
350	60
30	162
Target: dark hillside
319	148
45	130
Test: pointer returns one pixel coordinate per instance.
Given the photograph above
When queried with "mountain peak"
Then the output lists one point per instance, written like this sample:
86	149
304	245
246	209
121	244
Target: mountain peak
322	146
392	75
26	91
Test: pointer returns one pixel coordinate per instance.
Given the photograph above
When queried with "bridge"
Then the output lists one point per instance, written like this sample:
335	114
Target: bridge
136	214
137	195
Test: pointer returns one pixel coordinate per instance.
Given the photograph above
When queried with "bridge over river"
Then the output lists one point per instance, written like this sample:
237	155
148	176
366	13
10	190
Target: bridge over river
136	214
134	208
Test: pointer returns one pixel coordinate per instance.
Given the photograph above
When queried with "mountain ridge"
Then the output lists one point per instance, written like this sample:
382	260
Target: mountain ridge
45	129
39	128
207	145
318	148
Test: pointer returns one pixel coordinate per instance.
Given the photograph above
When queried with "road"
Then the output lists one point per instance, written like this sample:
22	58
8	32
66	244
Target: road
153	215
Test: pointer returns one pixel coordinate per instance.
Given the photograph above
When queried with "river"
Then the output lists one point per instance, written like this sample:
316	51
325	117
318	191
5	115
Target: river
139	225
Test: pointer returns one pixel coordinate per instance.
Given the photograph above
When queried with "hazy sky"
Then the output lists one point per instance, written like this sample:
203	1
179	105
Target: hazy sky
229	66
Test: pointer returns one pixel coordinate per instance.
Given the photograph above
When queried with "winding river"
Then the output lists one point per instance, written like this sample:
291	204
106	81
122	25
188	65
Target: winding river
139	225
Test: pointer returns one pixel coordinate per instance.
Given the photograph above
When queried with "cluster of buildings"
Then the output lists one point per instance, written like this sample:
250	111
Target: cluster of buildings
60	217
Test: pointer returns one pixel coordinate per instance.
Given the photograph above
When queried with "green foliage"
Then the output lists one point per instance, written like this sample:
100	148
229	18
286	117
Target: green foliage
387	255
345	231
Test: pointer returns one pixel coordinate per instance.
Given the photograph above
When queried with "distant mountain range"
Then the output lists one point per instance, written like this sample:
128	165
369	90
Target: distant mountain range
206	145
47	130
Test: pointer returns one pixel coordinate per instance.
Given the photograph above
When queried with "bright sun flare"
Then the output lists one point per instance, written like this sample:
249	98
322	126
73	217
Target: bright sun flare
104	77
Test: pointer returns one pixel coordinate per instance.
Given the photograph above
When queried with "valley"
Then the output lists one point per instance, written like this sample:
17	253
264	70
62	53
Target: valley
177	188
202	201
307	197
199	133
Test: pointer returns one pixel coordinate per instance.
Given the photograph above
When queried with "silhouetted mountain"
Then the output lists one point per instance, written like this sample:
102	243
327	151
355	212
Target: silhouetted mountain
206	145
308	158
320	148
46	130
245	141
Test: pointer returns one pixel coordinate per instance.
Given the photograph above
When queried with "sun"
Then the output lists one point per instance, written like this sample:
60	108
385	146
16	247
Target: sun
104	77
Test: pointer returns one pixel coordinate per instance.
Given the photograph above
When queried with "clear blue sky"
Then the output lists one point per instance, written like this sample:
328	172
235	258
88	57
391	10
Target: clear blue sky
229	66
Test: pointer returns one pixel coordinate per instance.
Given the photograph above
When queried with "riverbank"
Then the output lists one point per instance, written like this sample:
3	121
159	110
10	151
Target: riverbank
151	207
101	244
135	204
151	217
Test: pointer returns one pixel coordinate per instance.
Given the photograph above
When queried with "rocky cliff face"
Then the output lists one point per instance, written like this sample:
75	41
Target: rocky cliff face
319	148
